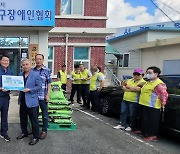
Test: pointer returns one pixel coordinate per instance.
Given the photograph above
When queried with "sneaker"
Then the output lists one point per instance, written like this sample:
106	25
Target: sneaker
6	138
150	138
128	129
21	136
119	127
33	141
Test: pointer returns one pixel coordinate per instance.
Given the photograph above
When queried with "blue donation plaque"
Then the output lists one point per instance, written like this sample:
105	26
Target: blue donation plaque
12	82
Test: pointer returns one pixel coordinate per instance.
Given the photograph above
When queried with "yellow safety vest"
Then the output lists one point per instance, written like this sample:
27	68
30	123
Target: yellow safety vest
84	75
63	77
93	82
148	97
76	76
132	96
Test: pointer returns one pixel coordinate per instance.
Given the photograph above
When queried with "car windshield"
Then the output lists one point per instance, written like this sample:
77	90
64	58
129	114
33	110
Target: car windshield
172	83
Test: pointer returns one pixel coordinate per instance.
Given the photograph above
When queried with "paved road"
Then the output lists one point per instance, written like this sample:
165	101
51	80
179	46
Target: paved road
94	135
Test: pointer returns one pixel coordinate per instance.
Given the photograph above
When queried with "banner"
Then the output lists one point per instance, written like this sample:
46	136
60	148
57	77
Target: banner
27	13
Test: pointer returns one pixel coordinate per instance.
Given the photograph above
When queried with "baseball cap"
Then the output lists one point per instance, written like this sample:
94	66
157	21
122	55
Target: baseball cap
138	70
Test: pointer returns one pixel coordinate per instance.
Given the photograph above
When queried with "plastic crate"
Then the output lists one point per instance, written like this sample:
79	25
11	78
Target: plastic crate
53	126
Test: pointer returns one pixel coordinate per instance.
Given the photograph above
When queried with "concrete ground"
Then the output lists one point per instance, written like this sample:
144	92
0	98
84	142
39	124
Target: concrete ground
94	135
13	109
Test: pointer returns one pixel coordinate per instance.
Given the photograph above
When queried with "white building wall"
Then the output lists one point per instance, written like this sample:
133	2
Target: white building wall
43	45
154	35
125	72
42	40
155	56
33	39
150	56
110	57
135	62
127	44
15	33
135	59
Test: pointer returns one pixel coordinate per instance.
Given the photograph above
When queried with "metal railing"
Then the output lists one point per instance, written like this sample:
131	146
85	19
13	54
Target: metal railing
112	77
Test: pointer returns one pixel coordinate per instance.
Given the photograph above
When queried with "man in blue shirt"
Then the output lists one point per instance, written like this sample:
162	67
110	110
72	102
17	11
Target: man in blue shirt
43	94
4	98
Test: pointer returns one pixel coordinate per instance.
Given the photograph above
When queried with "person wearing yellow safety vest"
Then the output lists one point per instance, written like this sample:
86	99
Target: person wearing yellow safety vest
75	78
152	98
62	76
96	84
100	72
130	101
84	90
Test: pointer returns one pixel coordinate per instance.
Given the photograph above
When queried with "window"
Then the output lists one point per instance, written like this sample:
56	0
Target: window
24	41
81	55
51	59
69	7
172	83
123	60
13	41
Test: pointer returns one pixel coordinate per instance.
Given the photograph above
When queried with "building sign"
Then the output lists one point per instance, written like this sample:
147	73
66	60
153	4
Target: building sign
27	12
12	82
33	51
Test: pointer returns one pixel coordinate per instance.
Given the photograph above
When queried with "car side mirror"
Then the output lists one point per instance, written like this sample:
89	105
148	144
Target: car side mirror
178	86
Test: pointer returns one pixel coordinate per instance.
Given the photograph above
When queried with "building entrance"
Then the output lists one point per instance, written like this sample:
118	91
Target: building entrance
14	55
16	48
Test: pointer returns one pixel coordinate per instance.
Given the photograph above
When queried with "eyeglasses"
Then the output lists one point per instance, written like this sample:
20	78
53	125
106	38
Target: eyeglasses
138	74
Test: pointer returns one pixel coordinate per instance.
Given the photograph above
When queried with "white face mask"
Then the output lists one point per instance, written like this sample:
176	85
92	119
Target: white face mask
150	76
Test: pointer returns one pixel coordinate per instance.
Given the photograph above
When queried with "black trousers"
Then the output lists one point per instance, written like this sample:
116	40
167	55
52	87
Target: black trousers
139	117
94	99
63	87
44	108
85	94
4	107
33	116
75	88
150	121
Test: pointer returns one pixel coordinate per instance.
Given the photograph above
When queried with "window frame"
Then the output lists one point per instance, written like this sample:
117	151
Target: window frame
123	54
82	60
72	14
51	60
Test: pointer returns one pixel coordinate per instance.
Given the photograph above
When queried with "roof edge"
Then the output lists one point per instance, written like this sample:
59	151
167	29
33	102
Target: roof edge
142	31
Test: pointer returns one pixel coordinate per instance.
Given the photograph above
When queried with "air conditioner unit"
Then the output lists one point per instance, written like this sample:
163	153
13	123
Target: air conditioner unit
112	61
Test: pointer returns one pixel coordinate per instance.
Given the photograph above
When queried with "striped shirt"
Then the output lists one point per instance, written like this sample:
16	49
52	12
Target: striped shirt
45	75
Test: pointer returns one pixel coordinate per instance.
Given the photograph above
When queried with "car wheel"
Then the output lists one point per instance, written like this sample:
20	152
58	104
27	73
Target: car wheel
105	107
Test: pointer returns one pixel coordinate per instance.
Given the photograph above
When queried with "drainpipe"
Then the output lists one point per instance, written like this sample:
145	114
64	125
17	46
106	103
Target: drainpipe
117	67
66	49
